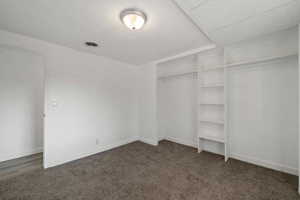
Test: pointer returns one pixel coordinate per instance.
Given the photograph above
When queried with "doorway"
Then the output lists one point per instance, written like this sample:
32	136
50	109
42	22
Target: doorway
21	107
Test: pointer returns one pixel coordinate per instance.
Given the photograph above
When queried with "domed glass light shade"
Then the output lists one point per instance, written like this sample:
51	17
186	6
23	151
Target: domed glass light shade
133	19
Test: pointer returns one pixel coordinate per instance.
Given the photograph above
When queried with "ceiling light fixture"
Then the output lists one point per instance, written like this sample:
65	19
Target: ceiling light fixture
133	19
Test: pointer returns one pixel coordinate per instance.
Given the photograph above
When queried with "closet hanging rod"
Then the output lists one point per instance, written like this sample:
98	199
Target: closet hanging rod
263	60
176	75
239	64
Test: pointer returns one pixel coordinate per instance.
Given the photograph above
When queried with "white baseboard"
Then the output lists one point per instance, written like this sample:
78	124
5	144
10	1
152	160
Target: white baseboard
190	143
181	141
149	141
22	154
161	138
98	150
258	162
264	163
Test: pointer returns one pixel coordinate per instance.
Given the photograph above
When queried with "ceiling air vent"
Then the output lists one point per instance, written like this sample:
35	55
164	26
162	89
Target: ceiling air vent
91	44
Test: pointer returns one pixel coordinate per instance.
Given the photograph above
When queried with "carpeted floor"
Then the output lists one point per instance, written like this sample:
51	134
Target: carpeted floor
140	171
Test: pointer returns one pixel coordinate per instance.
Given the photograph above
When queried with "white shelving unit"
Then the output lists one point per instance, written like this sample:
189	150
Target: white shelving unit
212	106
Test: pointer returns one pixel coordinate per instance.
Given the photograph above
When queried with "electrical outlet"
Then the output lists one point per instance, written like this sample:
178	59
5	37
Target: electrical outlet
54	103
97	141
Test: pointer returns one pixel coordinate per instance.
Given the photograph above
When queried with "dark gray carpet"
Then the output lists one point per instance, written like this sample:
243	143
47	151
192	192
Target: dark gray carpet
140	171
20	166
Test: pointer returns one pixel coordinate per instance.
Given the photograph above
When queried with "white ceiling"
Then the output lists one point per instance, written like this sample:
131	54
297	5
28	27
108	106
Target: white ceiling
73	22
228	21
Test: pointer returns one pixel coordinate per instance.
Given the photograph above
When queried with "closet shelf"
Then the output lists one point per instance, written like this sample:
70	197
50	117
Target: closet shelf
209	67
221	67
212	138
212	104
267	59
219	122
212	85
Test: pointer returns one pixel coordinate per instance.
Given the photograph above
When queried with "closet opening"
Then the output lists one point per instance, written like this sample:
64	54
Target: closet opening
21	110
239	101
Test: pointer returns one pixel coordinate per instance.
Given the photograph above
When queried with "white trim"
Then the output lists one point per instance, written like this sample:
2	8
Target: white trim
161	138
23	154
189	143
181	141
258	162
98	150
186	53
265	163
149	141
299	109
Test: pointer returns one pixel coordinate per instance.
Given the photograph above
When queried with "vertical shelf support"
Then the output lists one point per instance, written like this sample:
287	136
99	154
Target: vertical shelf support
227	142
202	69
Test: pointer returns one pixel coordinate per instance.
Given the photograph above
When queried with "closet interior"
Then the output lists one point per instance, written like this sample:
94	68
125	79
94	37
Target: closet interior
225	100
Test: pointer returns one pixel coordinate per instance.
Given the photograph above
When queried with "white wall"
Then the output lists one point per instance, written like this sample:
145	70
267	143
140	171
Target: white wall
90	101
21	103
147	104
177	102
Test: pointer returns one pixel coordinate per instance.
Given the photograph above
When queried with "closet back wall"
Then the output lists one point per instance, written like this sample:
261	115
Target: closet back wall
177	101
263	101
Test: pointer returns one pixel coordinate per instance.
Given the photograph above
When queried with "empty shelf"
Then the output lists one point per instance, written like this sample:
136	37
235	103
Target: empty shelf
212	104
220	122
211	138
214	85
